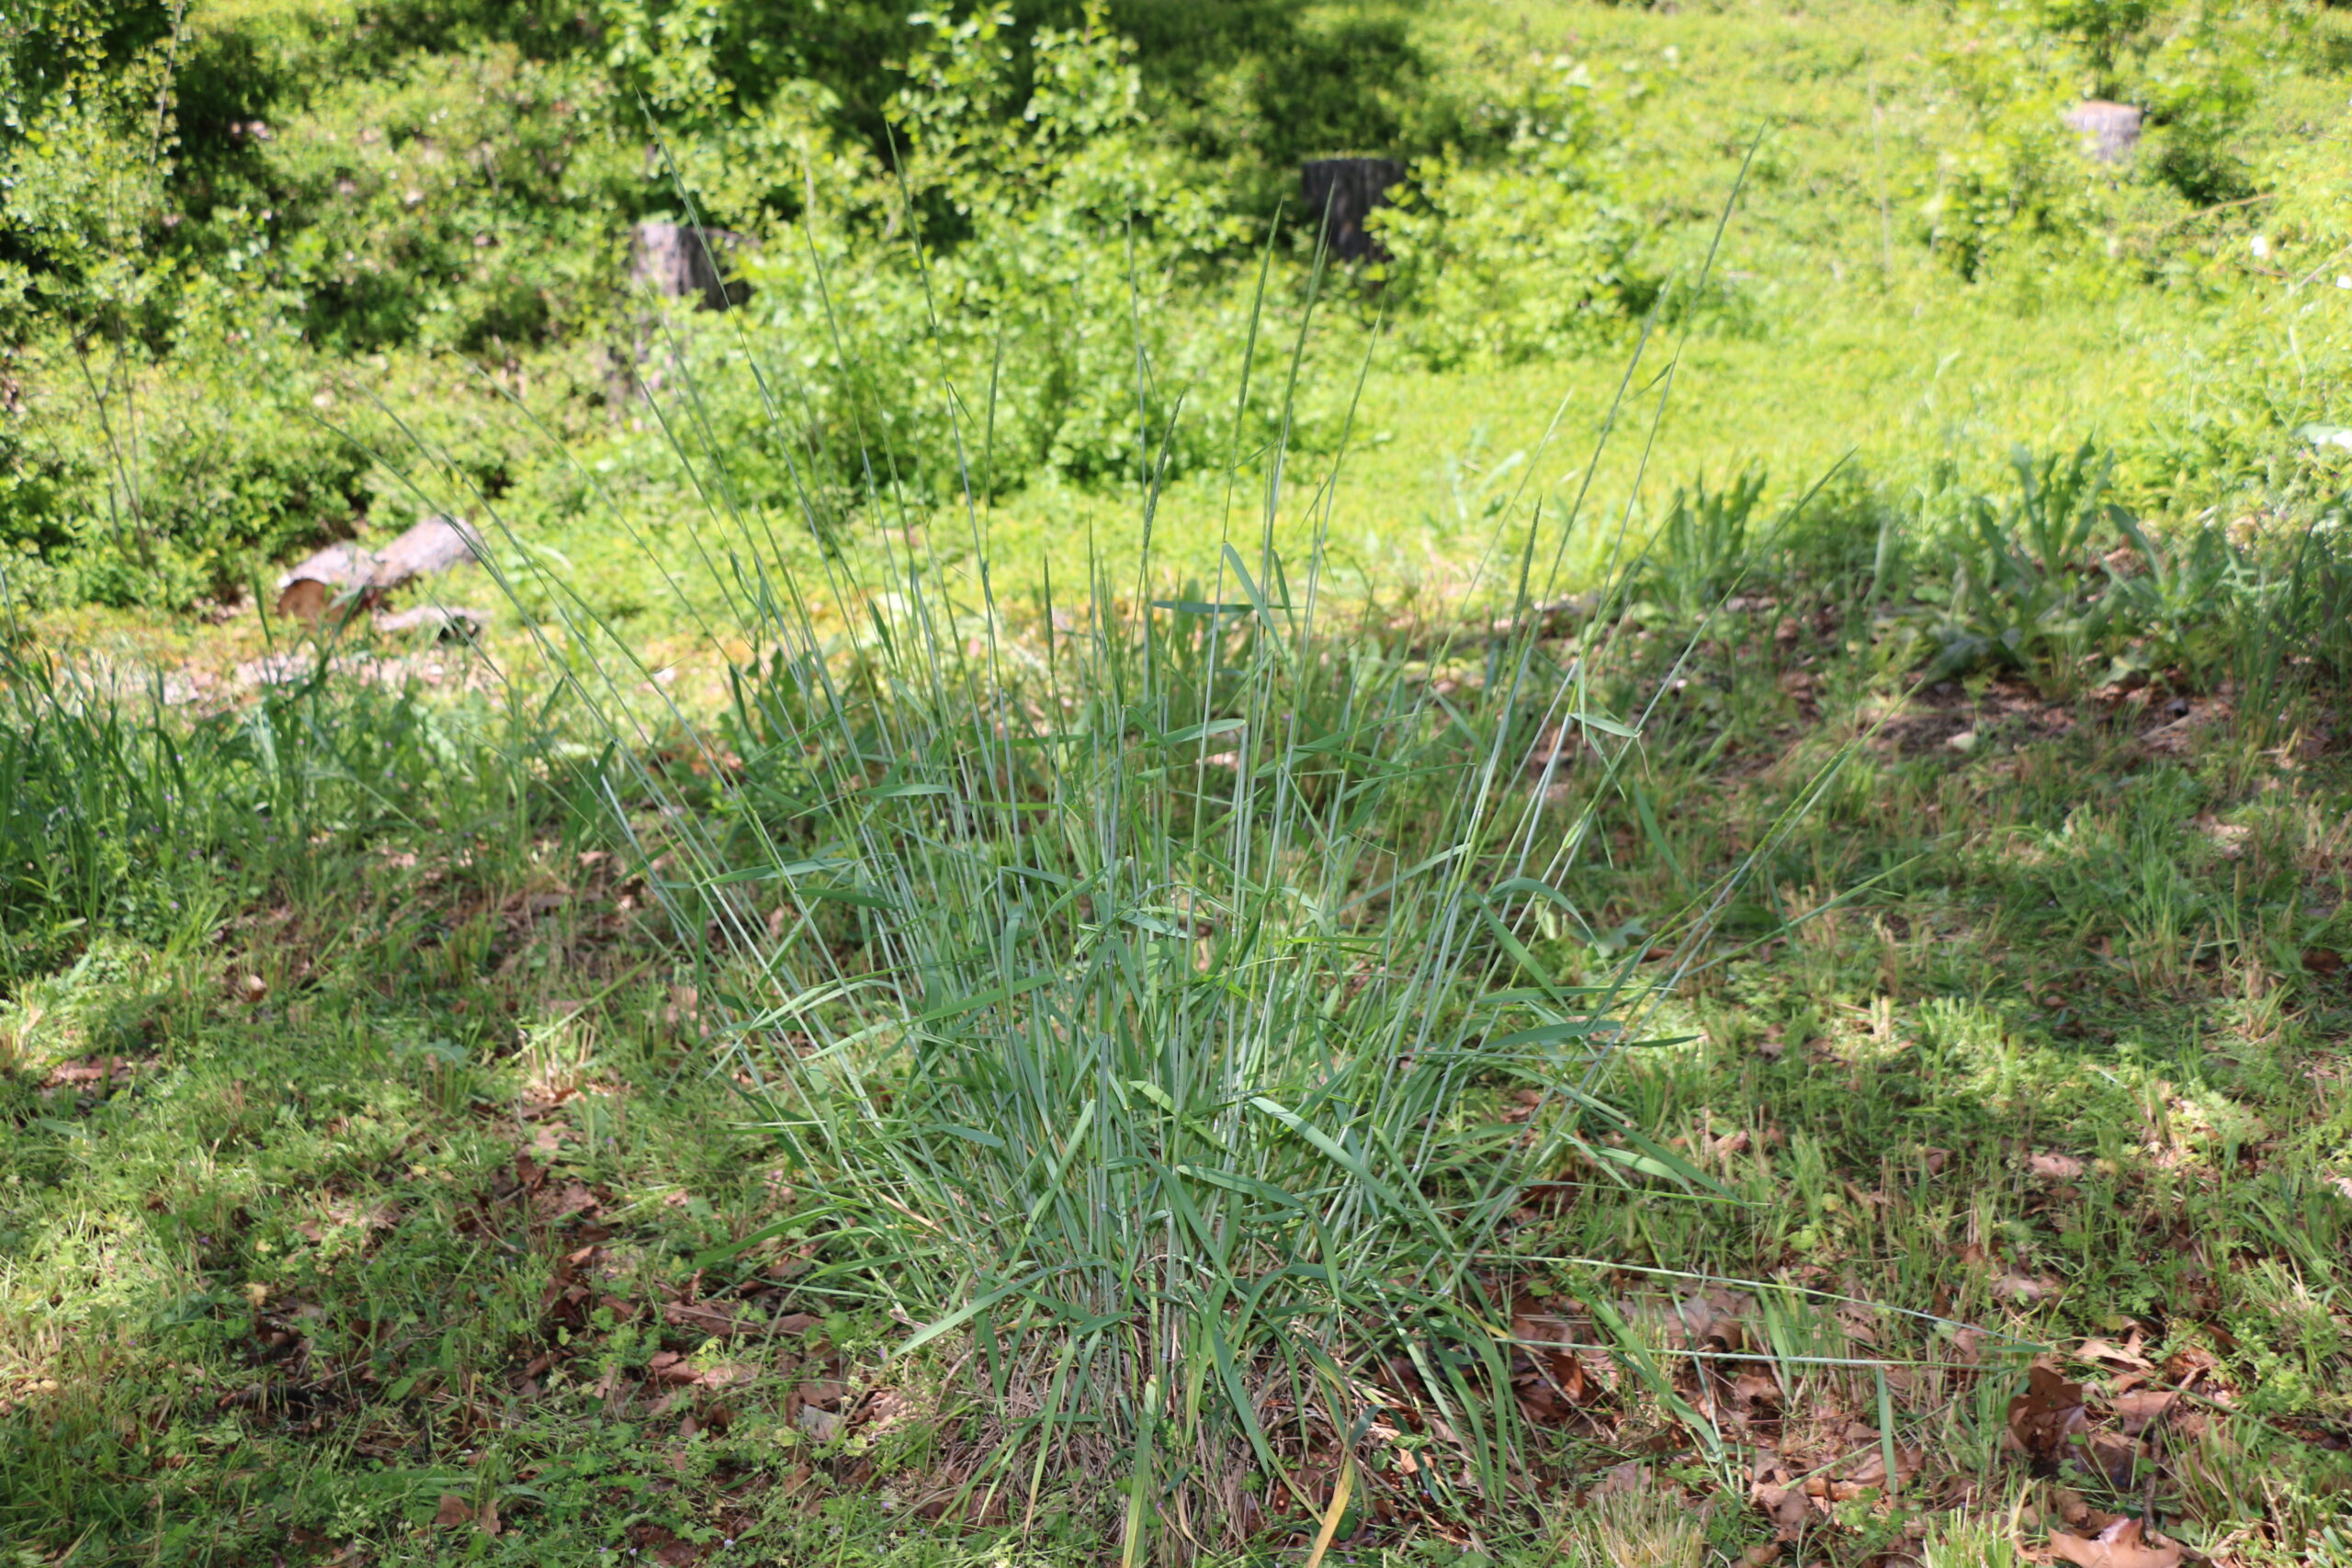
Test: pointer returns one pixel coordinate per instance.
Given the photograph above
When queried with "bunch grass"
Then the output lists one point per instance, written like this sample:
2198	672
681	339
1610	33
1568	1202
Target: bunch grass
1136	982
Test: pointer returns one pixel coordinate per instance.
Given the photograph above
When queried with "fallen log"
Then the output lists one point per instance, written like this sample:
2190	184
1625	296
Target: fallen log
346	575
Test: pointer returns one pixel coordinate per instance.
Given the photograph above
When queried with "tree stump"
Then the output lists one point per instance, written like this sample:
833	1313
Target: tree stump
2109	132
678	261
1341	194
669	261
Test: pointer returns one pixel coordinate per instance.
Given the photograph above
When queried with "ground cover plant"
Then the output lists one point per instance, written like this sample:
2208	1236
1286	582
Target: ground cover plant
389	1205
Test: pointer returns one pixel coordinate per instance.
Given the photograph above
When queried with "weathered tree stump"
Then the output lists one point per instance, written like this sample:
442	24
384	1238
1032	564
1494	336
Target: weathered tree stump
678	261
2109	132
669	261
343	574
1341	194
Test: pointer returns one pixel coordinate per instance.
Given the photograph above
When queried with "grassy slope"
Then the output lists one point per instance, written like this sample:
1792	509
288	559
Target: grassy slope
278	1279
1853	337
1848	339
288	1264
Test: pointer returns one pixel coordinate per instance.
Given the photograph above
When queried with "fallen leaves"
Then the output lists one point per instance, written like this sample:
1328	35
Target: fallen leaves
456	1513
2055	1167
91	1077
2048	1413
703	1317
2136	1412
1785	1505
2121	1545
2025	1290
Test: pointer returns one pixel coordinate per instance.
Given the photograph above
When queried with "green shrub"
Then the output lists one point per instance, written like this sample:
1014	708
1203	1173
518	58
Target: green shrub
1057	255
467	201
2019	182
1529	253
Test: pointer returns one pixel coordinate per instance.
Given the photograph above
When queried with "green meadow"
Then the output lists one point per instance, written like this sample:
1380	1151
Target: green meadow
1654	874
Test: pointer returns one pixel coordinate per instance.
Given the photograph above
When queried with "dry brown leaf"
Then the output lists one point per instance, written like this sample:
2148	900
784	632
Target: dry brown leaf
91	1070
2116	1355
726	1376
2119	1545
2138	1412
2025	1288
2115	1458
2055	1167
2046	1414
454	1512
704	1318
1785	1505
1629	1479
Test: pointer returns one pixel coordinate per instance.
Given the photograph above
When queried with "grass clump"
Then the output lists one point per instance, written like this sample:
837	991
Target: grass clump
1143	992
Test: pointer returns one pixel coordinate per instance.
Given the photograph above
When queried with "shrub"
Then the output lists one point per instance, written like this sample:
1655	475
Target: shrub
1027	263
463	201
2019	182
1530	254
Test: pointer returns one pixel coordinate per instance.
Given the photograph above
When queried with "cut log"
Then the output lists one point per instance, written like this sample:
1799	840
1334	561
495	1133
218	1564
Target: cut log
343	573
678	261
1341	194
2109	132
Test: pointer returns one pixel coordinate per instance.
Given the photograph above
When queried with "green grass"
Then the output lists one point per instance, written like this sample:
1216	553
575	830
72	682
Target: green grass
1201	1025
2041	1035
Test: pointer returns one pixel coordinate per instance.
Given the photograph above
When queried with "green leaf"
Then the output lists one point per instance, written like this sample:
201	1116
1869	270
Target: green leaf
1606	725
1323	1141
978	999
1214	727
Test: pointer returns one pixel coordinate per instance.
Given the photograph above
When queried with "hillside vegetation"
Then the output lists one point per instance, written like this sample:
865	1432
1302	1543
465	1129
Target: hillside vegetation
261	256
1658	879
